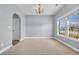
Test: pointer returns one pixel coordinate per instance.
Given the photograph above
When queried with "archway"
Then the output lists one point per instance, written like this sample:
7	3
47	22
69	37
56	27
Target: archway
16	29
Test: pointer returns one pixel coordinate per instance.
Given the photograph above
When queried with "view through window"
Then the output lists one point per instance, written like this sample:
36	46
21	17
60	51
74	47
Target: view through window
69	26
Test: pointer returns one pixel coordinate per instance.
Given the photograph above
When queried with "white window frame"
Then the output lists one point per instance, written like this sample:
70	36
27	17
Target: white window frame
65	16
58	29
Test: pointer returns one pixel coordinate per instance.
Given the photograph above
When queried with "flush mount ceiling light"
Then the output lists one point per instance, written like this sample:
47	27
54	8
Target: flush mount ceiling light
39	9
56	4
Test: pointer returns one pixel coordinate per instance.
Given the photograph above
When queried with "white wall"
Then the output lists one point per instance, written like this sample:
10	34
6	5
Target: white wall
6	14
64	11
39	26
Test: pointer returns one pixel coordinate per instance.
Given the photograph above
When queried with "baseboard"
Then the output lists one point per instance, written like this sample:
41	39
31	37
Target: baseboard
37	37
73	48
3	50
21	39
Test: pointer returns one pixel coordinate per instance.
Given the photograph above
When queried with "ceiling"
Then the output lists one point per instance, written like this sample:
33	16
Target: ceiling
49	9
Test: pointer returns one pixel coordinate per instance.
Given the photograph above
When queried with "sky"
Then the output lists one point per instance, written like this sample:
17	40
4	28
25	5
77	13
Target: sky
62	23
73	19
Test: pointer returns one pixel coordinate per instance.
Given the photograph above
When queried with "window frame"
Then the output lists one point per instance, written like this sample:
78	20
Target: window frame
74	11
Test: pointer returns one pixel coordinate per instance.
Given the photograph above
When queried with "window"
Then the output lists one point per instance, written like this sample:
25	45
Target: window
62	27
74	26
69	26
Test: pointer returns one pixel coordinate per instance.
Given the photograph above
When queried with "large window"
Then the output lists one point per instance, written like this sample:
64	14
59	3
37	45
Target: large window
69	26
62	27
74	26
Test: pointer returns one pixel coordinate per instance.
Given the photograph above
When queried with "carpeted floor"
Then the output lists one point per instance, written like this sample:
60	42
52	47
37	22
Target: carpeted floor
40	47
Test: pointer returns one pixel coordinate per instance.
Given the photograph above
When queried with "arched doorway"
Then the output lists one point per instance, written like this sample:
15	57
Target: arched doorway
16	29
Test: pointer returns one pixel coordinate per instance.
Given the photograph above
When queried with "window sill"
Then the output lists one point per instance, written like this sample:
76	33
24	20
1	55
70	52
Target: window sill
77	40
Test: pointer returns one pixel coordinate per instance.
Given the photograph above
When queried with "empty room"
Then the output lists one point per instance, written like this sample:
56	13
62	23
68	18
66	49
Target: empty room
39	29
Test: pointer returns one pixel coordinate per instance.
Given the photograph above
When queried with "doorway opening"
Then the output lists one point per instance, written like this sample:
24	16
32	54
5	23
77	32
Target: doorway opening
16	32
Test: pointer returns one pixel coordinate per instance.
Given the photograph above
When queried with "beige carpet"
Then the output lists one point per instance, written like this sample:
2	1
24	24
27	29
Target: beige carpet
40	47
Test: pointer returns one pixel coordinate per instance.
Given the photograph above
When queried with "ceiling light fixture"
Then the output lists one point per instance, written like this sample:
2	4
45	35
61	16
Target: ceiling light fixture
56	4
39	9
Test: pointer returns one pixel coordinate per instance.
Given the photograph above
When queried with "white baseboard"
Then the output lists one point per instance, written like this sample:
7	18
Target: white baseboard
3	50
21	39
37	37
75	49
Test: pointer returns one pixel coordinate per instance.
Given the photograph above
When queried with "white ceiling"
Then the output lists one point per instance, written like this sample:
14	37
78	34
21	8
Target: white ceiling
49	9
